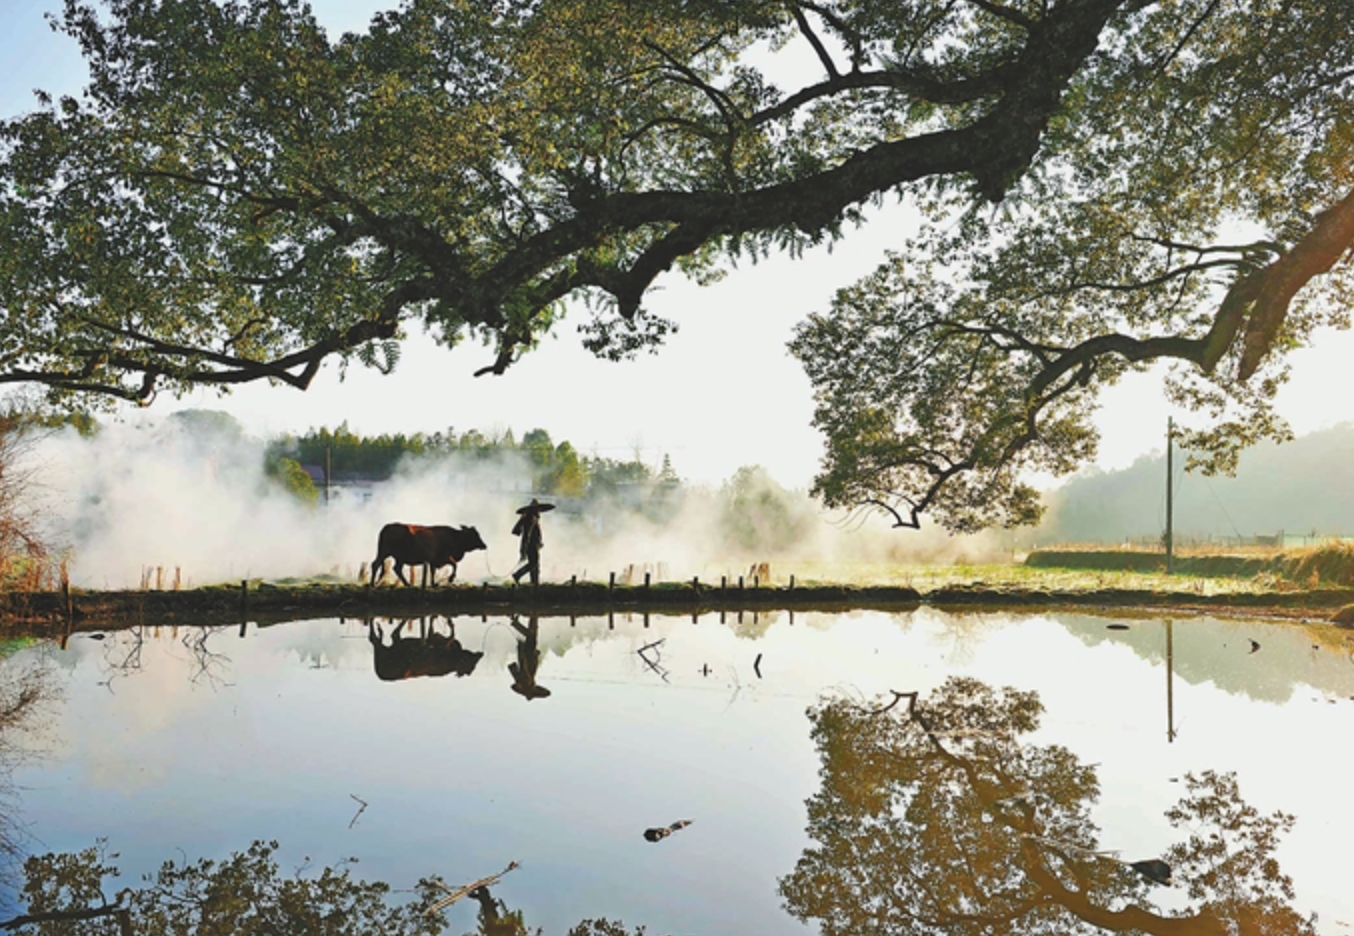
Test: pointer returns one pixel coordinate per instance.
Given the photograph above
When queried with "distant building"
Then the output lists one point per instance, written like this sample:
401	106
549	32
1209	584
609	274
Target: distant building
347	487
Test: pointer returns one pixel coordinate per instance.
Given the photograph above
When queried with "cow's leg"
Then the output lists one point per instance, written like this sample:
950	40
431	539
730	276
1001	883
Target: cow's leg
399	570
453	572
378	563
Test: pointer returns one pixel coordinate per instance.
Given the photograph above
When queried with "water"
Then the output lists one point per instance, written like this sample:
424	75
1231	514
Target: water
188	742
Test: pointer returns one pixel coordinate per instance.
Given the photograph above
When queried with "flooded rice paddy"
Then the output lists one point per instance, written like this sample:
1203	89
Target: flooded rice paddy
557	743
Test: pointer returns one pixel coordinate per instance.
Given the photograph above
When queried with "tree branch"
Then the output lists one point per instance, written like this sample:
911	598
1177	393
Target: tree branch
123	915
1328	239
807	32
1001	11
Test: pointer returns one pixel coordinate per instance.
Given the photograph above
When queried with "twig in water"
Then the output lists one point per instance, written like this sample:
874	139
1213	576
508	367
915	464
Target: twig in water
359	812
654	663
737	688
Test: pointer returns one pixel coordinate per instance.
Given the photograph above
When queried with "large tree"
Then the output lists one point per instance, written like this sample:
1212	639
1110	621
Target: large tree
237	196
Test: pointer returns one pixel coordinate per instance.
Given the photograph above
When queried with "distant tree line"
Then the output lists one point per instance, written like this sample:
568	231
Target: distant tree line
750	511
557	469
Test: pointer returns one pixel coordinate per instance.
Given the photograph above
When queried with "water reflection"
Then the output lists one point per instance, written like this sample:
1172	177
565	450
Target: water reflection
250	892
938	816
494	917
528	661
291	734
122	655
432	653
427	653
28	693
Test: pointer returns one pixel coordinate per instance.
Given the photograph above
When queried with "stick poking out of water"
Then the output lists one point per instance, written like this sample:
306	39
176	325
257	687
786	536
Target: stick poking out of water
455	895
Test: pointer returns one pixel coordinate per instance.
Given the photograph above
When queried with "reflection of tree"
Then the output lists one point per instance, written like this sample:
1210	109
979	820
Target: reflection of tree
935	818
208	665
247	894
27	690
122	654
494	917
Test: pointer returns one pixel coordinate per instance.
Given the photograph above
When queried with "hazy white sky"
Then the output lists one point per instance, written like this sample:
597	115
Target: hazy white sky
723	393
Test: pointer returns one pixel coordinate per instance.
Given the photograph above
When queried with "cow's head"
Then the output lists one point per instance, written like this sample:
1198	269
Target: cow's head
471	540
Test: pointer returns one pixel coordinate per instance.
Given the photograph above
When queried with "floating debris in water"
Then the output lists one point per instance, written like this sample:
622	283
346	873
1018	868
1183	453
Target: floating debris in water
1154	869
1116	626
657	835
1255	645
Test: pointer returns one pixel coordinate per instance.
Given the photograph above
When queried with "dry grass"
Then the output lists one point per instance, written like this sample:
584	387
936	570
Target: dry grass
26	561
1002	576
1326	565
1182	550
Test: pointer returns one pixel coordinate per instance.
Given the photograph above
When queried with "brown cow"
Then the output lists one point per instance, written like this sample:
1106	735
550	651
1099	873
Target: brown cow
431	547
429	654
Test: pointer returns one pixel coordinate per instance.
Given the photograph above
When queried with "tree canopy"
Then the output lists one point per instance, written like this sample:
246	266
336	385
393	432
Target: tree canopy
238	196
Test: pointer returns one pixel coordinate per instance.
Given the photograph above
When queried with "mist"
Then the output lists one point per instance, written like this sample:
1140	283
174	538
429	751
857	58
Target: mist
186	503
1300	487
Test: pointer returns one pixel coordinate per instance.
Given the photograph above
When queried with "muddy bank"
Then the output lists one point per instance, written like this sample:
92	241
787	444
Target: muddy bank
51	613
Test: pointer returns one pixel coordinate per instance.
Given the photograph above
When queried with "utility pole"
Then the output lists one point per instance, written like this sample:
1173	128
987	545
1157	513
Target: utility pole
1170	684
1169	538
326	476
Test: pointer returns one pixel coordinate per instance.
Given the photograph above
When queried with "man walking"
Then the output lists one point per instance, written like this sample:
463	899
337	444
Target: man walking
528	531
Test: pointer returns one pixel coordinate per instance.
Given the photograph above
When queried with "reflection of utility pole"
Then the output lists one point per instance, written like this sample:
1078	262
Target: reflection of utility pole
1170	679
1170	432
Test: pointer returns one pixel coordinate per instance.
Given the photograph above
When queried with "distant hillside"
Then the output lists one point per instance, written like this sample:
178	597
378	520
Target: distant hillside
1303	486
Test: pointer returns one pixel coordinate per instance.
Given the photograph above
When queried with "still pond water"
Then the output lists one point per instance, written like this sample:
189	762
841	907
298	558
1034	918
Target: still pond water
175	742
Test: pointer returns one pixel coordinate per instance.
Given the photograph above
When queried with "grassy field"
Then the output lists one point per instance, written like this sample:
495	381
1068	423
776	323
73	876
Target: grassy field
926	578
1199	573
1314	567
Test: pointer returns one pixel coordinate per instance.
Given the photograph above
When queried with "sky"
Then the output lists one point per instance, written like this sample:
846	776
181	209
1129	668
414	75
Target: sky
722	393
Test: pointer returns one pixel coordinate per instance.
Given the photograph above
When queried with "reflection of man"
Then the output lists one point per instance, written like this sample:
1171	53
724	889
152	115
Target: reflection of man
528	530
528	661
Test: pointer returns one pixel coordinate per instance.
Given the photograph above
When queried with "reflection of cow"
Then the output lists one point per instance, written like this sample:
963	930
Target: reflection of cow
431	547
429	654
